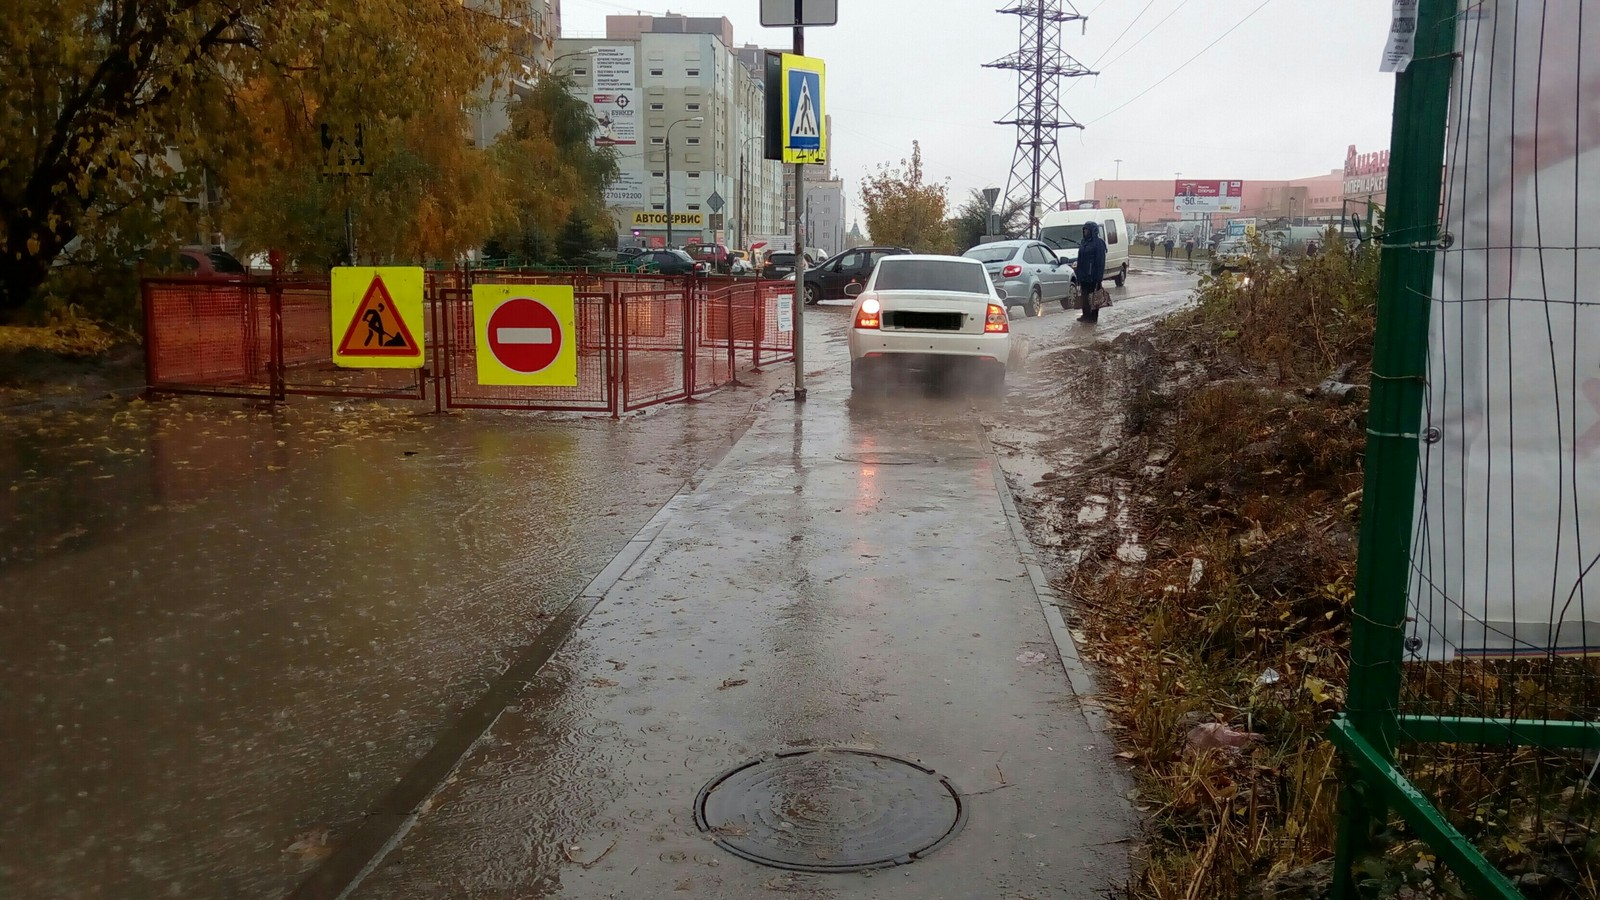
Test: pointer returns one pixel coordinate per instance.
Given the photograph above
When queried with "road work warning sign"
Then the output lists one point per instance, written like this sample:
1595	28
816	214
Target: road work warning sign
377	317
525	334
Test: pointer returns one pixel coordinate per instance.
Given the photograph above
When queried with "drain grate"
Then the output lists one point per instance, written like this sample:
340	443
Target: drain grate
830	810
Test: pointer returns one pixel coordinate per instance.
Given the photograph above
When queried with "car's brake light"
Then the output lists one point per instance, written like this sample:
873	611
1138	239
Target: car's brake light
1011	271
997	323
869	315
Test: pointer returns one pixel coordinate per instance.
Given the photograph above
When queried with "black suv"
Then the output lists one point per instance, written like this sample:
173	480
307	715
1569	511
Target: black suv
828	280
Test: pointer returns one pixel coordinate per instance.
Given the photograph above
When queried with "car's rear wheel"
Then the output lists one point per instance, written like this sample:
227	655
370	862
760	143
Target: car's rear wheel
813	294
1035	304
1122	276
994	381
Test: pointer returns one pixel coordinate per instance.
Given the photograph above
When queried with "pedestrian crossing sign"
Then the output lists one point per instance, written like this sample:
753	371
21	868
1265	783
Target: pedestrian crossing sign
377	317
805	119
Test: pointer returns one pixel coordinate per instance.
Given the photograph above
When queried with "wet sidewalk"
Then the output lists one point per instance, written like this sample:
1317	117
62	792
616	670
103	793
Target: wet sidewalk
846	577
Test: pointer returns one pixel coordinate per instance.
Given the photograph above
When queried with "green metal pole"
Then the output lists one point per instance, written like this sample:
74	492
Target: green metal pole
1399	369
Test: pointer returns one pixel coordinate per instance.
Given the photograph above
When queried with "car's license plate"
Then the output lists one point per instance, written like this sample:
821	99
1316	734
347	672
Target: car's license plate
923	321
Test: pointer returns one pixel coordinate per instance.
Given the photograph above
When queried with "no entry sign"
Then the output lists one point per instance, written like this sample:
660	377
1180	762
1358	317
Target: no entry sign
525	334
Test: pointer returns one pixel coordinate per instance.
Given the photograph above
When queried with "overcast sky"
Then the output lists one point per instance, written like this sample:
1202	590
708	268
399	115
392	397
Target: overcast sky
1280	96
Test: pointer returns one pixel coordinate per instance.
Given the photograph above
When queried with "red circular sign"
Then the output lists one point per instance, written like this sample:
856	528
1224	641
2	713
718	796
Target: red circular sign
524	335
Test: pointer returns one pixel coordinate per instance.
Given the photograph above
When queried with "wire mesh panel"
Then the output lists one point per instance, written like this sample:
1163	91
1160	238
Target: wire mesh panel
1486	692
207	335
652	337
774	325
307	345
458	359
1509	528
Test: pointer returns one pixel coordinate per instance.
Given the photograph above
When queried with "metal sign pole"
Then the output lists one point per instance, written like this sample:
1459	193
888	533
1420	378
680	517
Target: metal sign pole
798	303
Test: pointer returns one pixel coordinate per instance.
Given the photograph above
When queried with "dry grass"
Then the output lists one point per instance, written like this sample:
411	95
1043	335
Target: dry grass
1261	486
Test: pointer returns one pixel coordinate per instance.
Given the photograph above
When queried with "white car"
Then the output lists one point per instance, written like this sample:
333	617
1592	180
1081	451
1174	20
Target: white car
934	314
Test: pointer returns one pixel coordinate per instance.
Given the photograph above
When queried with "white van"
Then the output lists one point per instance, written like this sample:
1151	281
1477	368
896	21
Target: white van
1063	229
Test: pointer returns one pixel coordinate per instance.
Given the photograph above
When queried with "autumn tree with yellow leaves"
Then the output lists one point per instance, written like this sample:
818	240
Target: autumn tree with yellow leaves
117	116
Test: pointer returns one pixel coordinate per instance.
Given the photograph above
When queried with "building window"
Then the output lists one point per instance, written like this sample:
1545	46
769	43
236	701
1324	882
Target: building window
694	206
657	206
692	73
694	174
658	106
694	140
658	140
658	72
658	174
692	107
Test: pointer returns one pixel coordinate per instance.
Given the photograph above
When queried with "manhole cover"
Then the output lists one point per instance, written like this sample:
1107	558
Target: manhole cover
888	459
830	810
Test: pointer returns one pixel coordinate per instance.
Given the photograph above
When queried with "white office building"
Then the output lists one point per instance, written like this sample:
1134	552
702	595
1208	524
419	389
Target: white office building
660	83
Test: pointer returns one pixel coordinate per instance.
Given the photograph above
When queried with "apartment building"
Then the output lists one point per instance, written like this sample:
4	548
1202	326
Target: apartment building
660	82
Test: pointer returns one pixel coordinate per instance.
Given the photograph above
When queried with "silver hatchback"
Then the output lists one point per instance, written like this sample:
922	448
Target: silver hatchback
1027	271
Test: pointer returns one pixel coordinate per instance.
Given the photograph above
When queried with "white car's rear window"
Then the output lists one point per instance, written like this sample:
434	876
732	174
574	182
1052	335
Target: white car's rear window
991	254
931	275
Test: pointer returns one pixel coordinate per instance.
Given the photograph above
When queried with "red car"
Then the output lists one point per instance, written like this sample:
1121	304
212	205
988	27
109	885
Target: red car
715	256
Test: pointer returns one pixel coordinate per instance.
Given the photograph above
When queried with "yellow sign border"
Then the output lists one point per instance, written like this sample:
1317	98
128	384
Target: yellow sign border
561	300
792	63
348	286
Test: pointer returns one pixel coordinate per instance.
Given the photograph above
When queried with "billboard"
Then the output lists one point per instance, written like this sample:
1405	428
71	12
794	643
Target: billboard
1509	476
613	68
616	118
627	189
1207	196
615	98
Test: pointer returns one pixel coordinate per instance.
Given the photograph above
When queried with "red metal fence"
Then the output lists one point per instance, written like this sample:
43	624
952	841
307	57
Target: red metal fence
641	339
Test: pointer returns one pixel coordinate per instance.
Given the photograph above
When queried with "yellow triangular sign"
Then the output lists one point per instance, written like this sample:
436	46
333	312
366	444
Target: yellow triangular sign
377	329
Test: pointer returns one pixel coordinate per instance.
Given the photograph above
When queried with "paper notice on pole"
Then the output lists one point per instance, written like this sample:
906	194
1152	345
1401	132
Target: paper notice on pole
1402	37
785	312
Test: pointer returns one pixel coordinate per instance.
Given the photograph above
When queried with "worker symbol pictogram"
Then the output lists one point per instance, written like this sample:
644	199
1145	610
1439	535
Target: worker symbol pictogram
377	317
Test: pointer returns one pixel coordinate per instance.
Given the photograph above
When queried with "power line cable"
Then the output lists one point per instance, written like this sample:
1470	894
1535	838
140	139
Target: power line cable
1183	66
1152	30
1123	34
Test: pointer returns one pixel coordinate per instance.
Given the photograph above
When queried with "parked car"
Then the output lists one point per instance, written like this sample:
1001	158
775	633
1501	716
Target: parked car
1062	230
715	256
779	264
1234	254
1029	272
210	261
827	280
672	262
929	314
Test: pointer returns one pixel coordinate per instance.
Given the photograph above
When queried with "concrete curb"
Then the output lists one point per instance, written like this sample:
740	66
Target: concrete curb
388	821
1078	674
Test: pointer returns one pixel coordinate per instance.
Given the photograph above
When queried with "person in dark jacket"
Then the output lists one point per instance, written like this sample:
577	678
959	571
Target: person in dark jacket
1091	270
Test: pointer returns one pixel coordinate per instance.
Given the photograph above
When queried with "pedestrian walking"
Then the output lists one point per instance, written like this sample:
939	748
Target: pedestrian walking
1169	245
1090	272
1188	247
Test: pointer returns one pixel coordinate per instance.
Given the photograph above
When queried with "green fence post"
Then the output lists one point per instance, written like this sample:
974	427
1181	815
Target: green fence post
1399	370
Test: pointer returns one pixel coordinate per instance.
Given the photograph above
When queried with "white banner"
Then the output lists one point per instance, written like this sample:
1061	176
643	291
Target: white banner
627	190
613	68
616	118
1508	523
1402	37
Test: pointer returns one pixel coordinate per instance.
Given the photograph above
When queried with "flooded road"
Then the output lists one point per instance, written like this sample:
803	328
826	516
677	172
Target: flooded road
227	632
846	578
224	630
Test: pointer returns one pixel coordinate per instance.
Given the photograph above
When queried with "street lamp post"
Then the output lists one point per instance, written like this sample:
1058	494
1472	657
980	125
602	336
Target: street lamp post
669	172
744	192
592	52
1119	168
